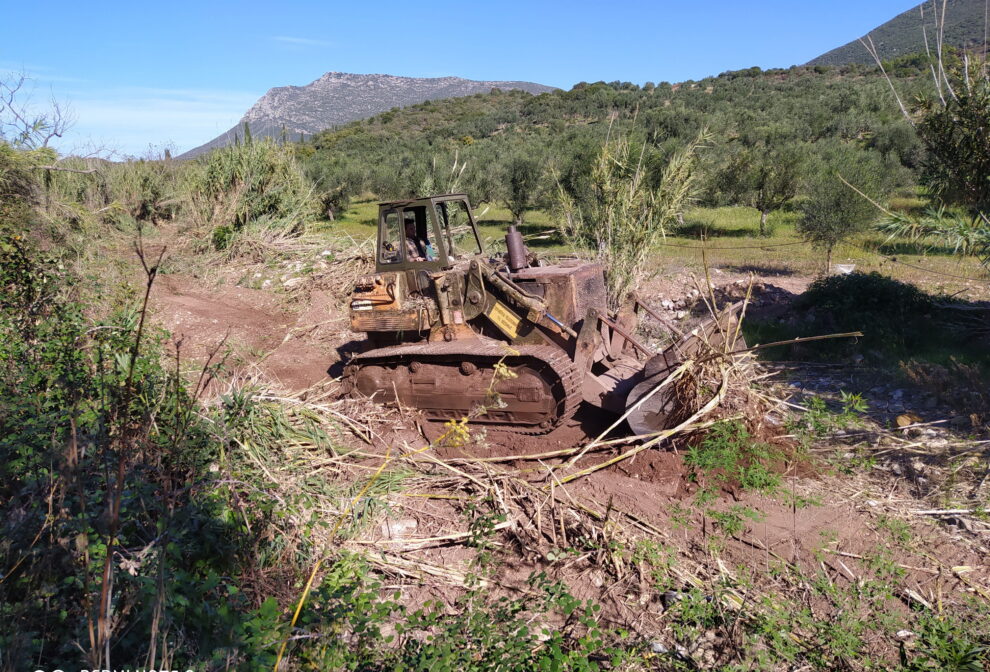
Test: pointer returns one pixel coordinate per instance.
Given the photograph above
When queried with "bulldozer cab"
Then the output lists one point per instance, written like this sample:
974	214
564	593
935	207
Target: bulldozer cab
426	233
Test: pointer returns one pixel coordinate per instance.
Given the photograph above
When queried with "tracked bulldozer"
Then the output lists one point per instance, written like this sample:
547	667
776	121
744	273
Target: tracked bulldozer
502	340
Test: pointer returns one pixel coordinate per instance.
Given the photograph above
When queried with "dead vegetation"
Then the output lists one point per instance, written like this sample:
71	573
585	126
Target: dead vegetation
829	564
698	587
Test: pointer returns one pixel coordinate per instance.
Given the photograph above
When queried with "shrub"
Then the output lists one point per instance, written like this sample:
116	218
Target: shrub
891	314
629	207
256	183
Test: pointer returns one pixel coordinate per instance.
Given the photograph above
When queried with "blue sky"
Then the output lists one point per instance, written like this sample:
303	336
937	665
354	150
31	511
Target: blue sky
140	75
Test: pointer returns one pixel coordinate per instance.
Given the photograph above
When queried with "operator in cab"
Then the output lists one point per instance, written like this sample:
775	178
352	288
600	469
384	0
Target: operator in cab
416	248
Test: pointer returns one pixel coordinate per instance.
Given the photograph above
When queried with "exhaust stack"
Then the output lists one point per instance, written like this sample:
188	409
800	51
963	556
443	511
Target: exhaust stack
516	248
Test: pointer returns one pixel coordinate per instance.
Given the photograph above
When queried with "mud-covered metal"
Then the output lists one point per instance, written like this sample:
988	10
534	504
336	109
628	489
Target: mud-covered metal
445	381
711	336
452	317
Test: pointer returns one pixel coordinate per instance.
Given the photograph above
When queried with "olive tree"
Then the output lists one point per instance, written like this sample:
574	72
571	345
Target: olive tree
832	211
765	178
522	178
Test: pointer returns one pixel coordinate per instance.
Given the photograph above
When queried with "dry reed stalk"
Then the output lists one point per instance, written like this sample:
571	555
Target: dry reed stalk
670	380
363	432
414	543
333	533
420	570
666	434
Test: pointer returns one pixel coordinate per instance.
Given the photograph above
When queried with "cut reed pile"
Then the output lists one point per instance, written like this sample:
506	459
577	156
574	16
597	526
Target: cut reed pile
423	522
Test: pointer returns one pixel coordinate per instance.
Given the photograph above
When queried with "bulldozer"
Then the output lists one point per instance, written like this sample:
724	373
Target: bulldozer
504	340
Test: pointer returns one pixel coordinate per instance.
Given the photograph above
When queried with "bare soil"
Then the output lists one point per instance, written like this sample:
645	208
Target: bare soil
291	346
290	336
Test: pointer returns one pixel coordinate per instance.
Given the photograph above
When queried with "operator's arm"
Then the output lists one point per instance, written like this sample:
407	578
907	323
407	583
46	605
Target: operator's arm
412	251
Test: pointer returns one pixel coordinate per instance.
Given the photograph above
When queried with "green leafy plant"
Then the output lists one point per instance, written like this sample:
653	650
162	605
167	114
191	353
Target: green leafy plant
945	644
728	456
819	420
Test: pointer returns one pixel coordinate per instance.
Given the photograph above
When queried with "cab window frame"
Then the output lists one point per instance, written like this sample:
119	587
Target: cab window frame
383	234
443	233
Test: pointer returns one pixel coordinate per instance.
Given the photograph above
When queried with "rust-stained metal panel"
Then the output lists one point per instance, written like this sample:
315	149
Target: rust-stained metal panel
380	320
568	290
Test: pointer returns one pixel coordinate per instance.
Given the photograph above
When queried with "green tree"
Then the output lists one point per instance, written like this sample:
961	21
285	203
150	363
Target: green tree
956	134
521	180
628	210
765	178
832	211
954	127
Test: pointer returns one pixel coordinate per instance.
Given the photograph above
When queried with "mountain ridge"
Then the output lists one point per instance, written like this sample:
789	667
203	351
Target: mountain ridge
965	26
336	98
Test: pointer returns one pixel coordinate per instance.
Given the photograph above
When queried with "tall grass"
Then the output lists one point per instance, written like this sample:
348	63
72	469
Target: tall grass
252	187
78	197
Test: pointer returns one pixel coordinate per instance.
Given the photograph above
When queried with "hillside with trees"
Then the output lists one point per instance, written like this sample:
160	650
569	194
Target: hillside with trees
767	130
964	27
339	97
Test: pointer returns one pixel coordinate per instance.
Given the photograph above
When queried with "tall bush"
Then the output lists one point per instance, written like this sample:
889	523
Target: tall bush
257	182
629	208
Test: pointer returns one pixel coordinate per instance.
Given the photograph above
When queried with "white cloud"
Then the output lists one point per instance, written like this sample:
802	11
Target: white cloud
301	41
36	74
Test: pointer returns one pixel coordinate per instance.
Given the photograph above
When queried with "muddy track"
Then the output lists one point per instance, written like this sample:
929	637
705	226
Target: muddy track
290	348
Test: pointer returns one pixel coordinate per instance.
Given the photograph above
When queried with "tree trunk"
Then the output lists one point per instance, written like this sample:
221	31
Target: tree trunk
828	260
763	222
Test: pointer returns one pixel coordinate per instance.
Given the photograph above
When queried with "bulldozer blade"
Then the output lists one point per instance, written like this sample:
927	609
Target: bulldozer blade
648	413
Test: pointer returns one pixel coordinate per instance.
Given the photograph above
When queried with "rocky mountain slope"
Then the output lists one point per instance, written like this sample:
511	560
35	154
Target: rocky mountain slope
339	97
965	26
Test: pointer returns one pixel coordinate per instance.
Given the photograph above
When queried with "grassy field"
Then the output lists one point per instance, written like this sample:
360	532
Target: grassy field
730	240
